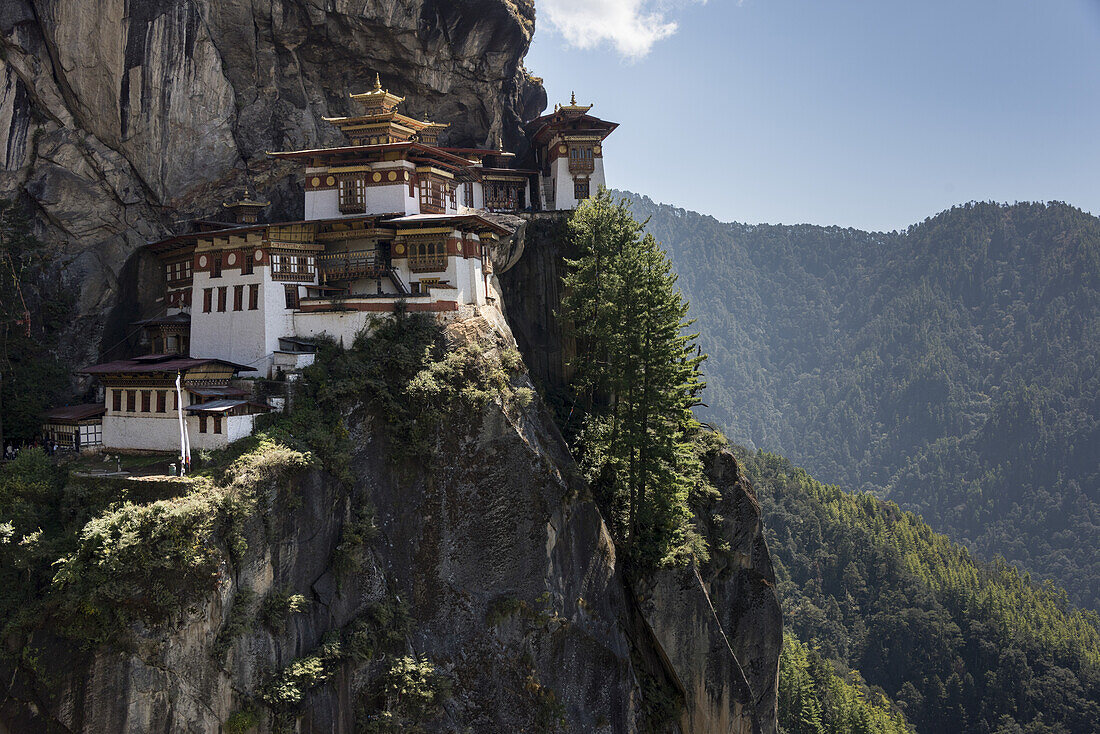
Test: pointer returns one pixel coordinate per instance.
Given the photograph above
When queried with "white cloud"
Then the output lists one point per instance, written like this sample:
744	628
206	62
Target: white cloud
631	26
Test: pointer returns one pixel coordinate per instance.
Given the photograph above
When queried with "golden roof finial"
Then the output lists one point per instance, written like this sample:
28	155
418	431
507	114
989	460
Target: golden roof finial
573	98
377	82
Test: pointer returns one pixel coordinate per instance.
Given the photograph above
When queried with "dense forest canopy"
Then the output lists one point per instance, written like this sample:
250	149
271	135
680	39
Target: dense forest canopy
959	646
953	367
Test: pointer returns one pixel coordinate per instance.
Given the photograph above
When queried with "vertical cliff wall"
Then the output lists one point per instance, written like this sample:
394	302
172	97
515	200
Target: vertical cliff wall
118	118
714	630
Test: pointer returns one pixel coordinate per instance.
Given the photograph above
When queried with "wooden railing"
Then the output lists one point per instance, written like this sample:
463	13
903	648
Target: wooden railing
351	265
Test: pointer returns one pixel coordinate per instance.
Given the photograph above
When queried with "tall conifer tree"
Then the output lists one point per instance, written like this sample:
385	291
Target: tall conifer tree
636	379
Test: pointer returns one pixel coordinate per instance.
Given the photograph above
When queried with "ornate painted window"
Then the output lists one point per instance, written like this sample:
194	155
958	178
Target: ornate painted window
502	195
581	159
352	192
427	256
580	189
293	266
433	193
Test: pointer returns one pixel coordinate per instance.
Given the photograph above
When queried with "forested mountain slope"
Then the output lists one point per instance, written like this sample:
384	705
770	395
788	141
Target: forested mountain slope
962	647
953	367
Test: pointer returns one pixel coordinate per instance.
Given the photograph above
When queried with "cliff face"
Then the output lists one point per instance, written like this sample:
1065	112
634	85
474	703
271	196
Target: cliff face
716	629
118	118
511	586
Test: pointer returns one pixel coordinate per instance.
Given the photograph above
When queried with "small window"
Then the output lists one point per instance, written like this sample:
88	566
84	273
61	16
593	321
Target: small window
580	189
175	401
207	299
162	401
291	294
248	262
131	401
238	298
146	400
116	400
217	424
216	266
223	293
253	297
202	424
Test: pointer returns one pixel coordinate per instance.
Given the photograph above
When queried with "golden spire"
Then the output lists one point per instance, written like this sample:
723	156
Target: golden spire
573	98
377	82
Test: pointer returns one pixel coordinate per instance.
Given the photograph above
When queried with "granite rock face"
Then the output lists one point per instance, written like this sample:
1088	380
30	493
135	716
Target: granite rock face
715	631
120	118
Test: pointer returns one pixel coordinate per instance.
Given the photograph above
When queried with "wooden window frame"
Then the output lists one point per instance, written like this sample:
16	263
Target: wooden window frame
146	401
428	256
131	401
217	423
238	298
248	262
207	300
116	400
578	183
254	297
290	295
223	298
216	265
202	423
162	401
351	195
433	196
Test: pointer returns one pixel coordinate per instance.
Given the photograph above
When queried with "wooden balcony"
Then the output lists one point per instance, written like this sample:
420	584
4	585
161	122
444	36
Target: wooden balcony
351	265
581	165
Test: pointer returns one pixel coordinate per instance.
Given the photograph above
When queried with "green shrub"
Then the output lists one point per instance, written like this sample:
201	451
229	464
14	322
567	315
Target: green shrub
410	693
242	722
381	629
239	622
277	608
348	556
287	689
148	561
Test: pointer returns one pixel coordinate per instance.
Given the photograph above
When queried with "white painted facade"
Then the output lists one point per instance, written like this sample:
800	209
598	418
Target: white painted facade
561	182
153	431
246	337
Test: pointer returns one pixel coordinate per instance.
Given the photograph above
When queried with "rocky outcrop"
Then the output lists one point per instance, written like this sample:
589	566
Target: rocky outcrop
494	547
119	118
716	630
719	626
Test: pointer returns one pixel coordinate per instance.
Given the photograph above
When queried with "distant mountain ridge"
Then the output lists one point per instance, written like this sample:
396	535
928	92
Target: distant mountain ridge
953	367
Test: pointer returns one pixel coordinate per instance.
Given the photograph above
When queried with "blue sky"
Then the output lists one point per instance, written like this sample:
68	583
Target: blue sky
864	113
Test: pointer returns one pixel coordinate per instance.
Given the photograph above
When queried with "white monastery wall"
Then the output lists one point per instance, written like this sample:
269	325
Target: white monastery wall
161	431
236	336
322	204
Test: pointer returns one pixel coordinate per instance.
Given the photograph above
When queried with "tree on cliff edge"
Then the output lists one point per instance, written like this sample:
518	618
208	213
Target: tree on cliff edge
32	311
636	380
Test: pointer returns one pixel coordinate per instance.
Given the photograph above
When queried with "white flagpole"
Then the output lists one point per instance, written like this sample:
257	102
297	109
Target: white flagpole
187	444
183	435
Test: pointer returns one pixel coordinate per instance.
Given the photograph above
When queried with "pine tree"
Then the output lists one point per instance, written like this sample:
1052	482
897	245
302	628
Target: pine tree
636	379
